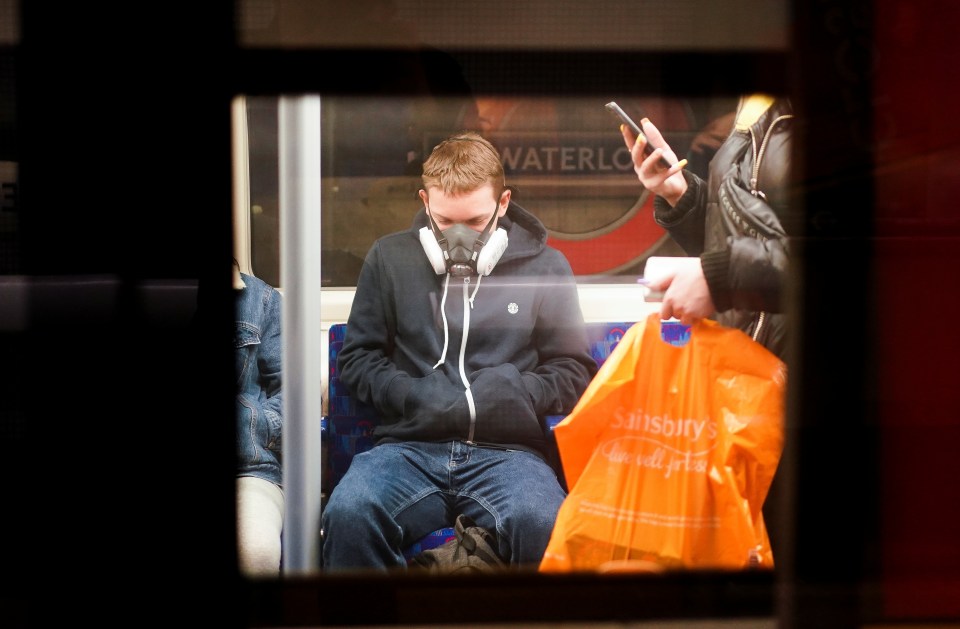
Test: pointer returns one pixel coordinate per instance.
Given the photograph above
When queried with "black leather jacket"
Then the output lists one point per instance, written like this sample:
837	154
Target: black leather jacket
734	223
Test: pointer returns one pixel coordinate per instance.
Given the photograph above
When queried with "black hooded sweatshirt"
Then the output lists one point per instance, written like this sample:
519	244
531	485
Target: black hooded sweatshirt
477	359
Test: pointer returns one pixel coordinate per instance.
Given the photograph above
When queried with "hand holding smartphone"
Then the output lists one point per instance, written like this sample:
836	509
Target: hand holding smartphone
616	110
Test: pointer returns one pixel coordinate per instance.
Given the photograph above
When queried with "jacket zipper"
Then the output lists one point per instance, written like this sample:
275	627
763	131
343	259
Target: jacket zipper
758	154
754	188
760	319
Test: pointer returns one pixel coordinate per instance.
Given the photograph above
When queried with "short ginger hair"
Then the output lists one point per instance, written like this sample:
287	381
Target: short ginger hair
463	163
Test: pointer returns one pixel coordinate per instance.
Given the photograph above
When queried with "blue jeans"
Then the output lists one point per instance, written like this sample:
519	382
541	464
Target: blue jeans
395	493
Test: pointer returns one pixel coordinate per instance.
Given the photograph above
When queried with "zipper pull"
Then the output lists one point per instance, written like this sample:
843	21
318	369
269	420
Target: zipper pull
754	191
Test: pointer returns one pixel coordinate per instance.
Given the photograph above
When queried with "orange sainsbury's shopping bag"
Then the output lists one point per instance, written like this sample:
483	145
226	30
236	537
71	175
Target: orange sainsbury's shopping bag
670	453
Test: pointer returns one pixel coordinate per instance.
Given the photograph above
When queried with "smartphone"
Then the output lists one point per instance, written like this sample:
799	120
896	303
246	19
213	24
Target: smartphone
618	111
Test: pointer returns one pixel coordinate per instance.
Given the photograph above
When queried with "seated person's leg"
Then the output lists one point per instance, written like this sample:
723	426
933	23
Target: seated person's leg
515	494
259	526
388	499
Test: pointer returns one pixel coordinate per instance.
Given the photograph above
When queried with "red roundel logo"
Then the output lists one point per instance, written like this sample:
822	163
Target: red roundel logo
611	247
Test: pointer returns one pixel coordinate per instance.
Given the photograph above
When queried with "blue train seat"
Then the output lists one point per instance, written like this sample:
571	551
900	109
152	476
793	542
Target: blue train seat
348	427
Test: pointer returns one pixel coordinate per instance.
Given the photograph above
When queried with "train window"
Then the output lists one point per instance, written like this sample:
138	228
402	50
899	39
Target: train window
563	156
422	73
562	153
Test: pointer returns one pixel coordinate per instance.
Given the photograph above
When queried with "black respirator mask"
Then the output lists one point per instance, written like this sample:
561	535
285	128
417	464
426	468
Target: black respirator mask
461	251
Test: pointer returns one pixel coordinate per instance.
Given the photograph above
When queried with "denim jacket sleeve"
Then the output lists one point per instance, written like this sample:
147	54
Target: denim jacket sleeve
258	348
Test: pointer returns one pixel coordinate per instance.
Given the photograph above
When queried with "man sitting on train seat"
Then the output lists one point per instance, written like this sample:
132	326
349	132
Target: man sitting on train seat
465	333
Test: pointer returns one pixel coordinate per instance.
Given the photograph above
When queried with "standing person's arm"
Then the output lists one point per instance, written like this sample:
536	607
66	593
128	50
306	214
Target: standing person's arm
750	273
680	208
681	196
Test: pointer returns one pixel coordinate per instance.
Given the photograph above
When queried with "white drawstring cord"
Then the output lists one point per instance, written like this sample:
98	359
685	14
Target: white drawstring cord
473	296
471	405
443	314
